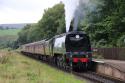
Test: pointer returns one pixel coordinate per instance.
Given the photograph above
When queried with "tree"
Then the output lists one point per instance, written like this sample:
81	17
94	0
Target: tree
23	35
51	24
108	25
53	21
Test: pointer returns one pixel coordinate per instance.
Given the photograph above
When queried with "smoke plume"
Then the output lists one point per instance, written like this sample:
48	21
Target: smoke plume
70	7
76	10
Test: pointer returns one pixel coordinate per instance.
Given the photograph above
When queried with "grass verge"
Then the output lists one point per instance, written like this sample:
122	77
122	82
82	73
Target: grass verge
21	69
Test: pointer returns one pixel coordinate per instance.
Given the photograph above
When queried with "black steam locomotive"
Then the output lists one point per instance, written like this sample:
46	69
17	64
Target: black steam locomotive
68	50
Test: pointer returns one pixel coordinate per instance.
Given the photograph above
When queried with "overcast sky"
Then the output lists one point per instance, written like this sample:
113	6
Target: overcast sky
23	11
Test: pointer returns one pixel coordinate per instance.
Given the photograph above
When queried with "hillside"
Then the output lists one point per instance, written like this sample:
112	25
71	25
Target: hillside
20	25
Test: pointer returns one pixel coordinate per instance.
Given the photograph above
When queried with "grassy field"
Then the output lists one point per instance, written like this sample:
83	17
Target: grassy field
15	68
9	32
8	35
8	38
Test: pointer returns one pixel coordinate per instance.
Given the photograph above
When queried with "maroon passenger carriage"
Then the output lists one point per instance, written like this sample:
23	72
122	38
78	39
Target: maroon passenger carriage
70	49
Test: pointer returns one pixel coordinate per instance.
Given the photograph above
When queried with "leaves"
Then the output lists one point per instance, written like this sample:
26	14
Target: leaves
109	26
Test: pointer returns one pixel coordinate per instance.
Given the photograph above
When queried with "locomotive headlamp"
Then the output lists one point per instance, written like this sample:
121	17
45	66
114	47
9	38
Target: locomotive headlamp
77	36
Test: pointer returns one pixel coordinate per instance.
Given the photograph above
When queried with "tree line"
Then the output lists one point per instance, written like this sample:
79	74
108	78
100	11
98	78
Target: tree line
105	27
6	28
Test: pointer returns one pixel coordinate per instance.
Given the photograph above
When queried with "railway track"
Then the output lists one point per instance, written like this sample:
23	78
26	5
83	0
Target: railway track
95	77
98	78
89	75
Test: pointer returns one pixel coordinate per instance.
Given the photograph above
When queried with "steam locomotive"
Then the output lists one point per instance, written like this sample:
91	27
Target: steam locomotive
68	50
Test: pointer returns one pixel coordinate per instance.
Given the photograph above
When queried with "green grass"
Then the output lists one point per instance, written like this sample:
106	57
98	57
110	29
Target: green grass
9	32
21	69
8	35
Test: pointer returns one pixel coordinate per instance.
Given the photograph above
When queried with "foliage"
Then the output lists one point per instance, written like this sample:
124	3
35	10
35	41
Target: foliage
23	34
108	26
53	21
121	41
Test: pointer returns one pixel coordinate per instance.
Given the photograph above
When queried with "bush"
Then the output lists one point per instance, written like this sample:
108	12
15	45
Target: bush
121	41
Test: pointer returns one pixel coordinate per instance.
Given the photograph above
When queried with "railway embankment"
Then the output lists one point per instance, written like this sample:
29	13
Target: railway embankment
15	68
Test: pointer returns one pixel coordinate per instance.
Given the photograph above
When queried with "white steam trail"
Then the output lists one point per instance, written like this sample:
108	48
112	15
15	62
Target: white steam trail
70	7
76	10
80	12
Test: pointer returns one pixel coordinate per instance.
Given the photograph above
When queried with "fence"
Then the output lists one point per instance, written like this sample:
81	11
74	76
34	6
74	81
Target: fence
110	53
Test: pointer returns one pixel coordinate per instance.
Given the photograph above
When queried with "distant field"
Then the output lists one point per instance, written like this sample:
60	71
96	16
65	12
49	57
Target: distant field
8	35
8	38
21	69
9	32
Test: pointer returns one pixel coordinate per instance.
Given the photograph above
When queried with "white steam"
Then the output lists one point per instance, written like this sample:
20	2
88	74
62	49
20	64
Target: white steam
76	10
70	7
79	13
